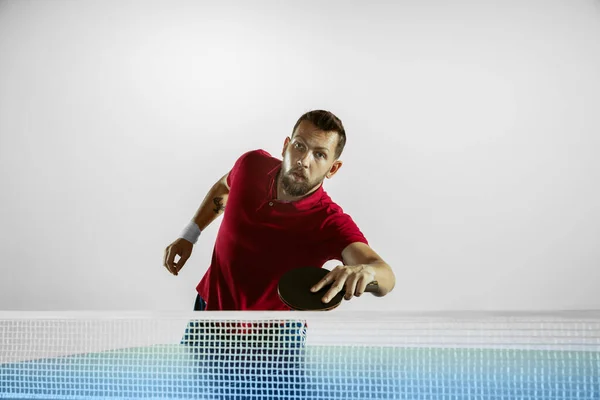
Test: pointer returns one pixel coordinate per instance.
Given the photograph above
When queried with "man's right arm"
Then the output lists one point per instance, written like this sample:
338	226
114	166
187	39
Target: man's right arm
212	206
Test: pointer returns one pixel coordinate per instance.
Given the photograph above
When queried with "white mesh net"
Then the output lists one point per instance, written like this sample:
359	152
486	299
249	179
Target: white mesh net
300	355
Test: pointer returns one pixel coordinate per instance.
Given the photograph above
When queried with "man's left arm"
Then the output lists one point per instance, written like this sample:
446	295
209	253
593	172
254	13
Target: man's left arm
362	265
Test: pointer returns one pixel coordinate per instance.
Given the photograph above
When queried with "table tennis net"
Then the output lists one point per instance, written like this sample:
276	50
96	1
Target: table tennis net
300	355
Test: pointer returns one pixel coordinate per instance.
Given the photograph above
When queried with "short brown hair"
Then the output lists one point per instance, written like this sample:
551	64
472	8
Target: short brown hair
326	121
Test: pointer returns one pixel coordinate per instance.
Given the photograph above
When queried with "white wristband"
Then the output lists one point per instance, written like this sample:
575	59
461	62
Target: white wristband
191	233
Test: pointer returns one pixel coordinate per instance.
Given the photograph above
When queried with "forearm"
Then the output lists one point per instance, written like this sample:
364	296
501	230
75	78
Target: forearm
360	257
213	204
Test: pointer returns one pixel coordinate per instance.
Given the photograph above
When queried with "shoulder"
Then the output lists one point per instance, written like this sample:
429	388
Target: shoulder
257	156
339	229
335	216
331	208
252	165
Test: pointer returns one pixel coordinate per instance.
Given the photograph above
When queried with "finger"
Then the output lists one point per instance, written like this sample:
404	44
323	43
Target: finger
337	287
170	260
363	282
361	286
181	263
327	279
166	258
330	277
351	286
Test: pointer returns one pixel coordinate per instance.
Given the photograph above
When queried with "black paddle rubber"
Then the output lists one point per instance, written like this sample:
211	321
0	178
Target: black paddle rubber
294	290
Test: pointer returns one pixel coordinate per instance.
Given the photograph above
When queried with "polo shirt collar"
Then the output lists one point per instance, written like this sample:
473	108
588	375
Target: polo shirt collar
304	203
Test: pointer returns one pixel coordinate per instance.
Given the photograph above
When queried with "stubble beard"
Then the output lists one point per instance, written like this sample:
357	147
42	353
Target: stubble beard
296	188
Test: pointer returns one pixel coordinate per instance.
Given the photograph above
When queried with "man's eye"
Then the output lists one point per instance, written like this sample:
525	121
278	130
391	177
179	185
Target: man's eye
320	155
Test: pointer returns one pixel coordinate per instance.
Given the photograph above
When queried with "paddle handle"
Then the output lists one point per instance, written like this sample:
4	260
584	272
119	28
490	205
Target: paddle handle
372	287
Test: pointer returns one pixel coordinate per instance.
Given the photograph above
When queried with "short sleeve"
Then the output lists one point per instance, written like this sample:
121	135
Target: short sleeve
250	159
341	231
236	168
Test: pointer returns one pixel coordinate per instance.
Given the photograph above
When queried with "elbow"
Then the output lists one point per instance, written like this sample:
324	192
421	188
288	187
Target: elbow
222	184
387	284
385	289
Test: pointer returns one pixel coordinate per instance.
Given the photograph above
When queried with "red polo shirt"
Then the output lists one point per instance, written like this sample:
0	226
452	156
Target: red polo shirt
260	237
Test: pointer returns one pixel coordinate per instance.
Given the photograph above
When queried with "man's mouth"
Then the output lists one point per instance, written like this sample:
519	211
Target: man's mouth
298	175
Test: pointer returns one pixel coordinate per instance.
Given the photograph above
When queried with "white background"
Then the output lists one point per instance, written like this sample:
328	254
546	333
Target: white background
471	166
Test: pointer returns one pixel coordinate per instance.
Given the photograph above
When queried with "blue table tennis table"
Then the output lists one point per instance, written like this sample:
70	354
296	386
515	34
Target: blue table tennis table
334	372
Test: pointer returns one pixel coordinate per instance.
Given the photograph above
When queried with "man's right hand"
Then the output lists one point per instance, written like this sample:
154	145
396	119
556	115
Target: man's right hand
181	248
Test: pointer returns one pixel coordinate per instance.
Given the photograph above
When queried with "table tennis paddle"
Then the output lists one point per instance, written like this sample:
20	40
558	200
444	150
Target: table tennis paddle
294	290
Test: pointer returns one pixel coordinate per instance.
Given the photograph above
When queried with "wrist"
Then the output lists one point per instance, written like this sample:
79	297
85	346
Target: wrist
191	232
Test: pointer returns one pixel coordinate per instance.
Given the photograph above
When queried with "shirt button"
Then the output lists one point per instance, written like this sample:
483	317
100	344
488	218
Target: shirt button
271	203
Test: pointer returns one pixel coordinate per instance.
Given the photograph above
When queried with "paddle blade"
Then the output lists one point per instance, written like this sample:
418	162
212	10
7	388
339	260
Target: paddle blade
294	290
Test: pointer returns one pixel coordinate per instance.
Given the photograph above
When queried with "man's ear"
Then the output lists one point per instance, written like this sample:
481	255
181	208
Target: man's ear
285	144
337	164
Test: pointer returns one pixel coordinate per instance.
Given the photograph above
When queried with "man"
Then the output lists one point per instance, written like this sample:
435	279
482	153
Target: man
278	217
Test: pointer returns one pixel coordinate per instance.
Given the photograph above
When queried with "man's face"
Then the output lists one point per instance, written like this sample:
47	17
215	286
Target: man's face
308	158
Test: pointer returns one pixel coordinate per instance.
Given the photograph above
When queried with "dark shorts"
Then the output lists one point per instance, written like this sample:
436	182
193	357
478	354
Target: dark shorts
199	304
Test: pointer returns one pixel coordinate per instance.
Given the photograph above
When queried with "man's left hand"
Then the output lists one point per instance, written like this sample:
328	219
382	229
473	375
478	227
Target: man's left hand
354	278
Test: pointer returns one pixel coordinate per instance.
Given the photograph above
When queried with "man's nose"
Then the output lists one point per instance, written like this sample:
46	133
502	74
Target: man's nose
303	161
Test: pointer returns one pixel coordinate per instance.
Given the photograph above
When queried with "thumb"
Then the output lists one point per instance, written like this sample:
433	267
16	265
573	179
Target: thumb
181	262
